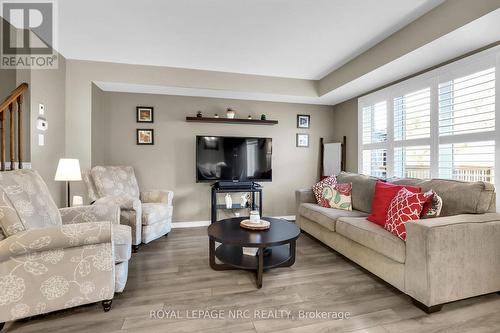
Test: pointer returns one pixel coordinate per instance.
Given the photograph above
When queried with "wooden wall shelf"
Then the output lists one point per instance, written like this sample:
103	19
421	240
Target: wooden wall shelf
231	121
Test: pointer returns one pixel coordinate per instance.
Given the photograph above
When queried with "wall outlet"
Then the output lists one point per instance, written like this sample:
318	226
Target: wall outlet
41	140
41	109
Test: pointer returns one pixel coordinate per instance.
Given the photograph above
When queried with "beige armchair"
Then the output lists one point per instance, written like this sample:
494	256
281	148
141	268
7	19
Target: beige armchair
54	259
148	213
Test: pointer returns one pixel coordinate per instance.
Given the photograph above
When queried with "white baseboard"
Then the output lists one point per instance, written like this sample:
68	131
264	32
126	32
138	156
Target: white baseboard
195	224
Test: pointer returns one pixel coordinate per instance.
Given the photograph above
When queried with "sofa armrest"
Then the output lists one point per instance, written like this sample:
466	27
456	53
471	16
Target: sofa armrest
157	196
55	237
451	258
305	195
92	213
127	203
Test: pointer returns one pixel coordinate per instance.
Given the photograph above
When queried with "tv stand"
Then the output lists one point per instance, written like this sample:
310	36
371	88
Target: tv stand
253	188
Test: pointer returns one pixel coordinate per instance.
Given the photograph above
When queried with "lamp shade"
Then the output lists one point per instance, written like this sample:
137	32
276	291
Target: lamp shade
68	169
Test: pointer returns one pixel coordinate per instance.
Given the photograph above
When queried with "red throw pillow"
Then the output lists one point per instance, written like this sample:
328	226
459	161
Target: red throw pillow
406	206
384	193
318	187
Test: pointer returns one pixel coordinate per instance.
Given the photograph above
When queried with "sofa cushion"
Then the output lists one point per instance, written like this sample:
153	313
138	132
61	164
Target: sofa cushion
372	236
155	212
115	181
382	197
458	197
26	202
363	188
326	217
406	206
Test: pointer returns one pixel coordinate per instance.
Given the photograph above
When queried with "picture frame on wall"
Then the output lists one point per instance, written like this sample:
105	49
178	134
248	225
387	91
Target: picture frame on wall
303	121
145	136
145	114
302	140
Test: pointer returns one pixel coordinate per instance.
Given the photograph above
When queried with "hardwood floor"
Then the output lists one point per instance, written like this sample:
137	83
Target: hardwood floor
173	274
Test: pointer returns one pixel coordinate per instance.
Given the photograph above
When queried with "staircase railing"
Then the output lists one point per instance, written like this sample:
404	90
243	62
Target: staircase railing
13	104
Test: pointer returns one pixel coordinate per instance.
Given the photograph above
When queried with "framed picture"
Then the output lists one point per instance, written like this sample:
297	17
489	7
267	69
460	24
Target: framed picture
145	136
303	121
302	140
144	114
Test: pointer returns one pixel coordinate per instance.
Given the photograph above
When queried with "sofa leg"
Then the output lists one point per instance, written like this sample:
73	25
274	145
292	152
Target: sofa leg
1	326
106	305
135	248
166	235
425	308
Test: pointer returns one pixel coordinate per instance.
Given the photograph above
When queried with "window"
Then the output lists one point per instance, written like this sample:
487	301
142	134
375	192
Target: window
440	124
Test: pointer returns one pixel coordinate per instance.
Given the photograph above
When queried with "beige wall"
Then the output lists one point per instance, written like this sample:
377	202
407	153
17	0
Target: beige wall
170	163
345	122
99	128
48	87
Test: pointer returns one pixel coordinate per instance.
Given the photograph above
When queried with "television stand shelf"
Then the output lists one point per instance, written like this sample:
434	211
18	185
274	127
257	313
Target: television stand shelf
254	190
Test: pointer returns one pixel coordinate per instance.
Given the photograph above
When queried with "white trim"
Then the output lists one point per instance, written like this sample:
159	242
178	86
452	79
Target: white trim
26	165
196	224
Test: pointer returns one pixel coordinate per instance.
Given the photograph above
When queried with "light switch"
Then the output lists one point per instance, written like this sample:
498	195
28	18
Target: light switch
41	140
41	109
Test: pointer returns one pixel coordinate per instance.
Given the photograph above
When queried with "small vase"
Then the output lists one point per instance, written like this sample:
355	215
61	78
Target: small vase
230	114
229	201
262	117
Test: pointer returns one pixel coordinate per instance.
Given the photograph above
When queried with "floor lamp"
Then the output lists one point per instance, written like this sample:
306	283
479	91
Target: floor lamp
68	170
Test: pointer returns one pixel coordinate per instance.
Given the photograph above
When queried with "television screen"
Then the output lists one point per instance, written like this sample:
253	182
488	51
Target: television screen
233	159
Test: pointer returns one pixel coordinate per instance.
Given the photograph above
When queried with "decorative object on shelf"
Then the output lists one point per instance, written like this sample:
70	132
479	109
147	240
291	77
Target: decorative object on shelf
230	113
302	140
68	170
262	117
249	117
259	225
145	136
303	121
199	114
216	115
250	251
144	114
244	200
229	201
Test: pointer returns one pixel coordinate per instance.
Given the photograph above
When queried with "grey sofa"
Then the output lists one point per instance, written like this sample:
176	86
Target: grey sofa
444	259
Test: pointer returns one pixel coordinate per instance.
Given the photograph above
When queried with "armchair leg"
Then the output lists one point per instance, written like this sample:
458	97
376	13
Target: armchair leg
166	235
425	308
106	305
135	248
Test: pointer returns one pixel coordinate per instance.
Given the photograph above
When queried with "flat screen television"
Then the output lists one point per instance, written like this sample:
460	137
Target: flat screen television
223	158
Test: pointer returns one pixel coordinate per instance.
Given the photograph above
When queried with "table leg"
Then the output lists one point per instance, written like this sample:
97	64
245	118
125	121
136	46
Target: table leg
290	261
260	267
211	257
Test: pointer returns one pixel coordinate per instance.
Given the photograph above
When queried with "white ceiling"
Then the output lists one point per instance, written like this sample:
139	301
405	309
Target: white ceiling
287	38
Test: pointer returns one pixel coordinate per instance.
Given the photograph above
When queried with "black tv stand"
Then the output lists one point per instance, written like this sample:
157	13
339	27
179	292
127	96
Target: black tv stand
234	187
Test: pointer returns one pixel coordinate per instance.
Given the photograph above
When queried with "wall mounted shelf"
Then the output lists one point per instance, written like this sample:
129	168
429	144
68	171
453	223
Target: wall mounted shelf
231	121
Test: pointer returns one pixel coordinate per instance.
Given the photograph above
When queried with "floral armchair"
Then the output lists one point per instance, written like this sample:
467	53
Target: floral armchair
148	213
54	259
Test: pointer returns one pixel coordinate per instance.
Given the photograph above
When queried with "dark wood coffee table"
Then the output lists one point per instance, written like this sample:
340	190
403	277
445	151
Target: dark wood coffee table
278	240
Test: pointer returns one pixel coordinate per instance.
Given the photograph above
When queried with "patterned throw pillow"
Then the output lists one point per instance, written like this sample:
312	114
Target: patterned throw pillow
337	196
433	205
406	206
318	187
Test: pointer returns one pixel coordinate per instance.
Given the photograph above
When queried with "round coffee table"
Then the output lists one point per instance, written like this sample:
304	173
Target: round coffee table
279	239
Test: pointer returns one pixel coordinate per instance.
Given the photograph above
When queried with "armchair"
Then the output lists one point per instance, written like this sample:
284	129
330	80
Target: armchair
54	259
148	213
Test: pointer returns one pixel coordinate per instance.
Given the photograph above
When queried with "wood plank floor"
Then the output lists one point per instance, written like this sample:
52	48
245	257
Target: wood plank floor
173	274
